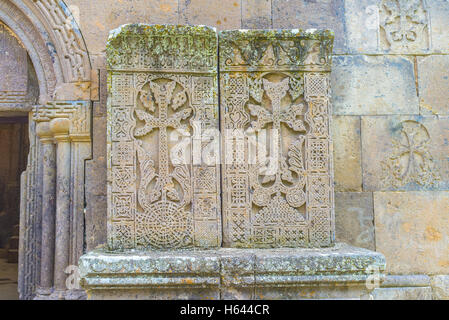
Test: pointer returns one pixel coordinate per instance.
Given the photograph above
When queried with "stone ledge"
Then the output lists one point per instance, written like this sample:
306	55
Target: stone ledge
337	272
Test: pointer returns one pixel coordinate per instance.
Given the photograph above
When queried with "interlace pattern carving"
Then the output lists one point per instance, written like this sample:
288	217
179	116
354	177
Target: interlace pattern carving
285	198
68	37
159	197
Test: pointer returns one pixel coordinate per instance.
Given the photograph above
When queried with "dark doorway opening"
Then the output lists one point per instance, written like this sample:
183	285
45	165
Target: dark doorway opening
14	147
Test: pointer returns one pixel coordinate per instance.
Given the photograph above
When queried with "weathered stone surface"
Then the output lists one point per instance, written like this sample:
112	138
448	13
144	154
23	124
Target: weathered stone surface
64	127
96	19
230	273
163	185
256	14
318	14
362	26
440	287
14	84
404	26
354	219
433	80
412	231
404	293
217	13
96	181
405	153
279	195
410	280
373	85
347	153
439	11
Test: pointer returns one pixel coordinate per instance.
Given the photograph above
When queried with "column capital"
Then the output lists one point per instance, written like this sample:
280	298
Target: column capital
60	127
44	132
76	112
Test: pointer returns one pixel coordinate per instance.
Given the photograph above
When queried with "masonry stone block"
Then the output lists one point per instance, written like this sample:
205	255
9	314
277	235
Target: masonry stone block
439	30
256	14
347	153
412	231
98	17
354	219
433	79
405	153
217	13
374	85
319	14
96	180
362	26
404	26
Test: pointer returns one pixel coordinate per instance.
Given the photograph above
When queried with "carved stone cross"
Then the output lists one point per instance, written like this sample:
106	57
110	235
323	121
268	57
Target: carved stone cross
163	95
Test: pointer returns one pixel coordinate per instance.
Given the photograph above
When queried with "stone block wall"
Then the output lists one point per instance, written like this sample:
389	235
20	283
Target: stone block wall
390	107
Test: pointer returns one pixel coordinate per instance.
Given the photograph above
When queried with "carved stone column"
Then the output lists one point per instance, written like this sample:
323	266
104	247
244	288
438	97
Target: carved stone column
48	210
67	124
60	129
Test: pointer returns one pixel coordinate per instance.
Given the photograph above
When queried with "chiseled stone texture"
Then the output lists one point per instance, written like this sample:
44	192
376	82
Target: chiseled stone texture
347	153
318	14
412	231
433	79
96	18
440	287
354	219
373	85
439	13
405	153
338	272
218	13
256	14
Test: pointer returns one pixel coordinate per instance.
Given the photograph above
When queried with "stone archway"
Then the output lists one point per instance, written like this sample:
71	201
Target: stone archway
59	132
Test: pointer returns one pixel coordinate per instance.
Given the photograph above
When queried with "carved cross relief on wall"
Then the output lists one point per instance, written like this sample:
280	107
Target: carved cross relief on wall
277	184
164	161
164	83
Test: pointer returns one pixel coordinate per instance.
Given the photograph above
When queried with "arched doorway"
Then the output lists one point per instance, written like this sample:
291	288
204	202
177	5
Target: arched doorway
19	90
47	71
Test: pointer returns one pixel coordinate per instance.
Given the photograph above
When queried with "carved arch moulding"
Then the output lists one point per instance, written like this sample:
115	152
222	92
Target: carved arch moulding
54	44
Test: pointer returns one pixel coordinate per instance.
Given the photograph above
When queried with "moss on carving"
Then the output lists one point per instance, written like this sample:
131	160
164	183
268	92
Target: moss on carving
162	47
290	48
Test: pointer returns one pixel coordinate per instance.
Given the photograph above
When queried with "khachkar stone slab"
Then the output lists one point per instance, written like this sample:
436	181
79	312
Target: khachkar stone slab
162	114
229	273
277	173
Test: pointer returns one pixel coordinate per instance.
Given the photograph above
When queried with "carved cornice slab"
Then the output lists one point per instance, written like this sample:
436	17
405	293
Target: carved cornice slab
166	48
253	50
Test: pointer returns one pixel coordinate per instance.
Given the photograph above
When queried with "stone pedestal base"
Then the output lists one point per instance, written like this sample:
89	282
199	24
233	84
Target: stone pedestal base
340	272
